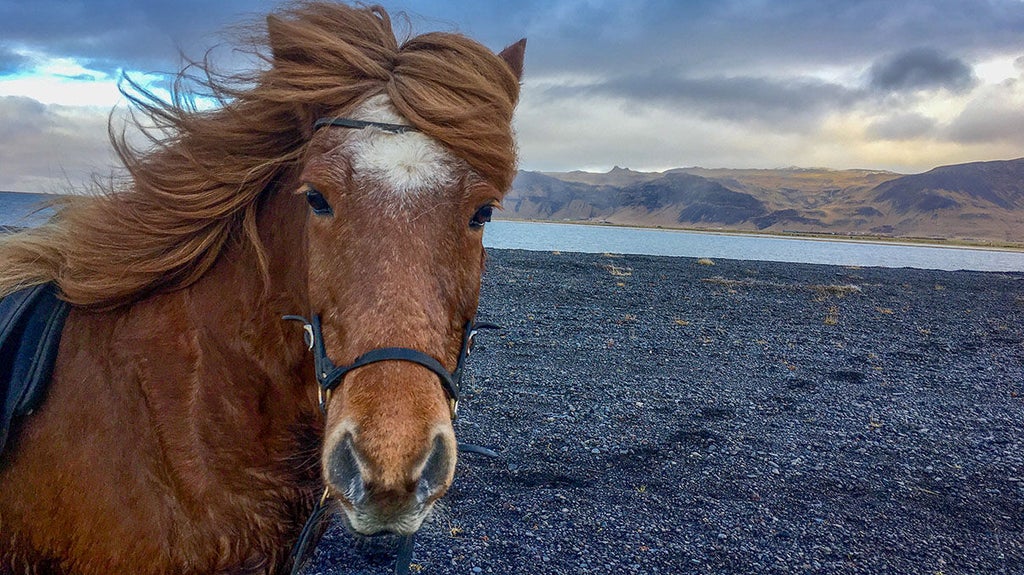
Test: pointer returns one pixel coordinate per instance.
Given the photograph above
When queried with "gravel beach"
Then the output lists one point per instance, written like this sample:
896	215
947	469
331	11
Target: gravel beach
671	415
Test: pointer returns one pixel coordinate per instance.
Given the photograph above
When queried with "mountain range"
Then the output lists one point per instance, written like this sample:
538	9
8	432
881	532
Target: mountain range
975	202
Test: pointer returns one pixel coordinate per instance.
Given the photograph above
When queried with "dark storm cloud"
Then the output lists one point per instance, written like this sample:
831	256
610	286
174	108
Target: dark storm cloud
566	36
921	69
707	37
784	103
699	31
113	34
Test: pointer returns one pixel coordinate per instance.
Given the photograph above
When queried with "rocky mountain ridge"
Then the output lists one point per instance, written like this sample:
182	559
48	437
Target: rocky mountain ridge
979	201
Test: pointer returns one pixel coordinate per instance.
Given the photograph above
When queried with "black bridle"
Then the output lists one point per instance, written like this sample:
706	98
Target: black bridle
361	124
329	376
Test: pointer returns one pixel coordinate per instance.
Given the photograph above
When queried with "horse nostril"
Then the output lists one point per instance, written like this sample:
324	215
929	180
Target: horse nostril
344	472
435	471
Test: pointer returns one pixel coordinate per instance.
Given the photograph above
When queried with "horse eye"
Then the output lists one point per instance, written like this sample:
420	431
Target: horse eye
317	201
481	217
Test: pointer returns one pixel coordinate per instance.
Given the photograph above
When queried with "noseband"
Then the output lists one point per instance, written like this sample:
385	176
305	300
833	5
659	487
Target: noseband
330	376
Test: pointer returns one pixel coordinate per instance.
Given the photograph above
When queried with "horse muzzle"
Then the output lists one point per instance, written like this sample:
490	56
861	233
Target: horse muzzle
377	500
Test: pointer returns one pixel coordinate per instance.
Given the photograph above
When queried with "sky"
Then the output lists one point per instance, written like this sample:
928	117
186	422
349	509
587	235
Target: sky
650	85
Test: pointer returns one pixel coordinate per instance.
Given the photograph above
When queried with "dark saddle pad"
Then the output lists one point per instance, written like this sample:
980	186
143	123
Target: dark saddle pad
31	321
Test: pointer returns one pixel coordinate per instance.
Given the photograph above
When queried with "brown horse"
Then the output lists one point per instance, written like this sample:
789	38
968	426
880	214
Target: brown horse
182	433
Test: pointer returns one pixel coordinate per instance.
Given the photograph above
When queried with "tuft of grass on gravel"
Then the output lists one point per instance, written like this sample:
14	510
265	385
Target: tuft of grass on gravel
824	290
618	271
832	317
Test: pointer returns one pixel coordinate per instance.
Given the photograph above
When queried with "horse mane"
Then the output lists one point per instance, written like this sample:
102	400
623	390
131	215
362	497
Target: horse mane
198	187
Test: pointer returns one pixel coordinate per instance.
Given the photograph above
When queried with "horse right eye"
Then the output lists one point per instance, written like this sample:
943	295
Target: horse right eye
481	217
317	201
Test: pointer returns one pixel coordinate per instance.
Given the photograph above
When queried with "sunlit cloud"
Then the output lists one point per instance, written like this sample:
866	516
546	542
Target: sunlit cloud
67	82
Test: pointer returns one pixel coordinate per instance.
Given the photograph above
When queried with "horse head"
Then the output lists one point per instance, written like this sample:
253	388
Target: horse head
395	256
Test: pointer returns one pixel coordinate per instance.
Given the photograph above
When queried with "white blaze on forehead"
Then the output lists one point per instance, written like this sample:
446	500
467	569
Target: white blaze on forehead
406	164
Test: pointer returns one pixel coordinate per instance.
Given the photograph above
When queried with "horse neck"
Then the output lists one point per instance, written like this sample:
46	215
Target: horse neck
251	358
244	306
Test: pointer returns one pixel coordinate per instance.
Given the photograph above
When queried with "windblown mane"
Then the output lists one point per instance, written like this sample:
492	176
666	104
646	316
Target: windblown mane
199	186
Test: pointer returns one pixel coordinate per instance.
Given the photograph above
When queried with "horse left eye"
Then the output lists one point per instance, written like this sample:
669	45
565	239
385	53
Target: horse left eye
481	217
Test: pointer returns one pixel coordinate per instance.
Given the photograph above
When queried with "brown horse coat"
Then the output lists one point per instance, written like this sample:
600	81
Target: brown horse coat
180	434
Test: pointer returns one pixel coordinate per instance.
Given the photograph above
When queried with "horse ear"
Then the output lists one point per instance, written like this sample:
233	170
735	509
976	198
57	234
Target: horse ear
513	56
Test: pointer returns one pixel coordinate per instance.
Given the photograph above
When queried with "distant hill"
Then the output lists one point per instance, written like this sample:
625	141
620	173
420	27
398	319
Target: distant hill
982	184
982	201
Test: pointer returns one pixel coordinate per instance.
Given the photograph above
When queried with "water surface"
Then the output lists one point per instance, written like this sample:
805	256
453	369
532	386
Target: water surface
625	240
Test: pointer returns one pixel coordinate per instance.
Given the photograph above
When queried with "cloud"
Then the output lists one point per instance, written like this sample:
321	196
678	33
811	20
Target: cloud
902	127
785	103
50	148
644	83
995	115
114	34
921	69
20	116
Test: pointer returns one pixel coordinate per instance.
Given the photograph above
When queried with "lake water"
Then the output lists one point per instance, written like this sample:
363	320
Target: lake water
17	210
21	209
622	240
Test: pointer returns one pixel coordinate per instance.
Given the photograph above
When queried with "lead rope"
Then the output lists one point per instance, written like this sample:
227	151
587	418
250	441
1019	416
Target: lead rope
306	535
329	376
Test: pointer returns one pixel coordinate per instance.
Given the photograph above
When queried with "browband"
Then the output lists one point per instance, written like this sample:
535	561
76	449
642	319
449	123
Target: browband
361	124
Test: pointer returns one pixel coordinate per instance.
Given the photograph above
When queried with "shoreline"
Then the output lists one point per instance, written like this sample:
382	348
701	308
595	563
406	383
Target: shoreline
1013	247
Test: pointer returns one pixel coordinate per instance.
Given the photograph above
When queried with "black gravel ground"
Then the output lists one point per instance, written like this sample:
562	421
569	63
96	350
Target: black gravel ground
660	415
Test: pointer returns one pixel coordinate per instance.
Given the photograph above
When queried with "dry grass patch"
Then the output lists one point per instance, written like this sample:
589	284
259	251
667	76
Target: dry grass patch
618	271
832	317
823	290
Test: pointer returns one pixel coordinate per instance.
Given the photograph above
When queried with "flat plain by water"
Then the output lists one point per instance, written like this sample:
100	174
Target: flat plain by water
656	415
